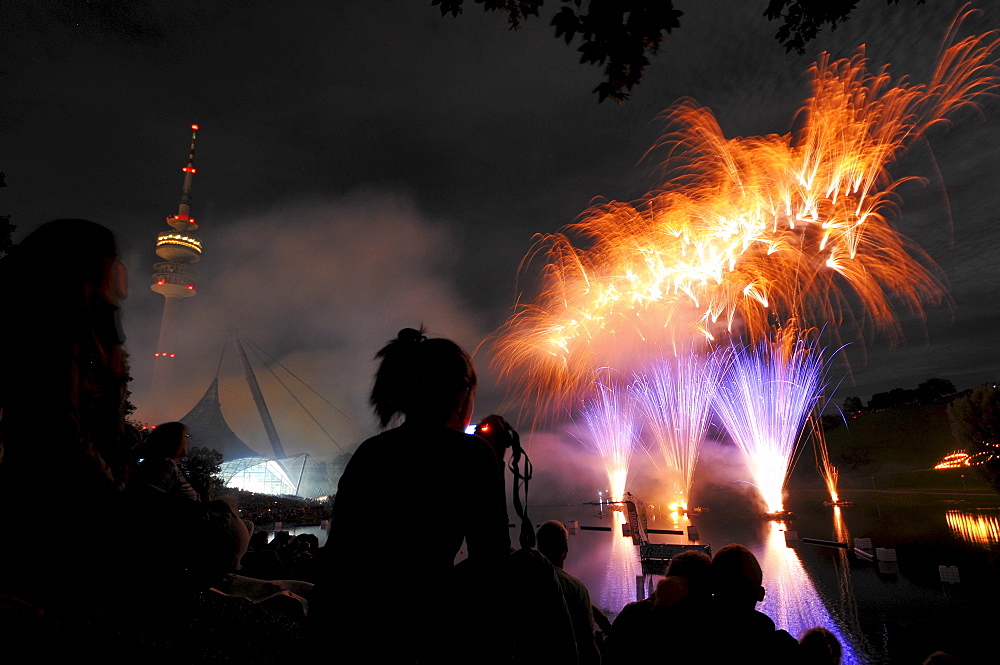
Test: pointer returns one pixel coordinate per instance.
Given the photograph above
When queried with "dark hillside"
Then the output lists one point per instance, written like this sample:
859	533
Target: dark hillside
902	438
893	448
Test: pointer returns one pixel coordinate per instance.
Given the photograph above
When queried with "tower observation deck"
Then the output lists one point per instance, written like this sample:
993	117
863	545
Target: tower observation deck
174	278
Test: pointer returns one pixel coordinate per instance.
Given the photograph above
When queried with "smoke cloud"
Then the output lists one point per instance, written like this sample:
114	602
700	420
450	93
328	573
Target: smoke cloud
314	290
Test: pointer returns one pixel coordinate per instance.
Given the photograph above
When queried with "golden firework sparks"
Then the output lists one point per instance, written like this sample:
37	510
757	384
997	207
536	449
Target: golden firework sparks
747	233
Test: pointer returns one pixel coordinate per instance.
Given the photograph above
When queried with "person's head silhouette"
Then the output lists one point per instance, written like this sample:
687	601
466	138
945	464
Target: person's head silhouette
427	380
737	579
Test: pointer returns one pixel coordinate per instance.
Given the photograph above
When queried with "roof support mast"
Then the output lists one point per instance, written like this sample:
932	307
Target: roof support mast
258	397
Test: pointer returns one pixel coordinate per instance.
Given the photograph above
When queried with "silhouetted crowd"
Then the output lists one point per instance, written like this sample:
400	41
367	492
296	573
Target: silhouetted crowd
141	567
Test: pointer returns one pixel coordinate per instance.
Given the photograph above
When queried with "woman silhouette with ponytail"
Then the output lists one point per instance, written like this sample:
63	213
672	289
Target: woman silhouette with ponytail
407	500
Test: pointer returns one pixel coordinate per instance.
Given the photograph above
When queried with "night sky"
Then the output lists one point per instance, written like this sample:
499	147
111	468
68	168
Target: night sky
368	166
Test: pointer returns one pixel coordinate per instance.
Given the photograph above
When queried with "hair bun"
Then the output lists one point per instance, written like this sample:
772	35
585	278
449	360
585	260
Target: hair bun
409	335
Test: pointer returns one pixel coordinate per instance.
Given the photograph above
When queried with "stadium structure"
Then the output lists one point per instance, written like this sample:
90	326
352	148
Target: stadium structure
242	467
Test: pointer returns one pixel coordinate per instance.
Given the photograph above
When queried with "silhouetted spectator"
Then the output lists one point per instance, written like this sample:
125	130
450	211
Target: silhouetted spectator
687	584
603	629
66	446
192	543
537	619
739	633
818	646
311	540
375	531
165	446
259	540
676	613
261	560
303	558
552	540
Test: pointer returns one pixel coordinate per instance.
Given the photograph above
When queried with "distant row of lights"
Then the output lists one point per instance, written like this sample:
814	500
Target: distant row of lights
961	458
164	354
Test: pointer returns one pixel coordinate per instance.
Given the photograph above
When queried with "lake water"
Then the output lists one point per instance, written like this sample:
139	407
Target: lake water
883	612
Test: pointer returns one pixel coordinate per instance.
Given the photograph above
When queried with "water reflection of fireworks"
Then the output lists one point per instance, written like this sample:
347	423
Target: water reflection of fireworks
622	569
791	599
842	566
974	528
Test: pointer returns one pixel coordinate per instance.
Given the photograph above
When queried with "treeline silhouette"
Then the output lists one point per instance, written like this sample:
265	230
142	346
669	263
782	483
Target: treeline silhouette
931	391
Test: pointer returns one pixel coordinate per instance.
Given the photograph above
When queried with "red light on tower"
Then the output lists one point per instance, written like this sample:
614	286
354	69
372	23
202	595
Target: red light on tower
194	127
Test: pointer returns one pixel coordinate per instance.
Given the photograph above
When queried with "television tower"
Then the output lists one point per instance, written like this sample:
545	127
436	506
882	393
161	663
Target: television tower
174	278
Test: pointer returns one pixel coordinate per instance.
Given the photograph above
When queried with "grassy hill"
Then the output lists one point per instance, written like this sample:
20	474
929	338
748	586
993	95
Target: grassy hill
893	448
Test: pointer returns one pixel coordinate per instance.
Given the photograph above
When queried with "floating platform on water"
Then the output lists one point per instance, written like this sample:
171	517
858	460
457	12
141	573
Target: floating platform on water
839	502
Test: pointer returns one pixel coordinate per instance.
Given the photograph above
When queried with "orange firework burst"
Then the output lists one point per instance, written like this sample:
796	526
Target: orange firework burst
748	233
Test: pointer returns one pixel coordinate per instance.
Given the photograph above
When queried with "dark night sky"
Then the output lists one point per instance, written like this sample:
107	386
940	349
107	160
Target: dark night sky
365	166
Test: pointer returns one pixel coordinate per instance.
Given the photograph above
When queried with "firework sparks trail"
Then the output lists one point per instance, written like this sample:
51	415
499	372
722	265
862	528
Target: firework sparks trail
746	231
610	428
674	395
764	399
826	469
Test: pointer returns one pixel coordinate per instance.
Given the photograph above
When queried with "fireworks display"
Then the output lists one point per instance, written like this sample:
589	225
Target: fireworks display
611	429
675	397
764	399
826	468
742	236
746	233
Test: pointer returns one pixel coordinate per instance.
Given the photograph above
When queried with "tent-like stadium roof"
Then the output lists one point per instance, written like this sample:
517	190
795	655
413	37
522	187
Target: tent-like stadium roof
209	429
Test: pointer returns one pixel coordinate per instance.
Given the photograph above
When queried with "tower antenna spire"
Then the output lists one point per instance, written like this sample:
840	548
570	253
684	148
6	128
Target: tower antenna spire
174	278
184	209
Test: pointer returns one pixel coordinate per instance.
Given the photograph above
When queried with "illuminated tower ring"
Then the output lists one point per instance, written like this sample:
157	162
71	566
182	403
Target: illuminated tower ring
174	278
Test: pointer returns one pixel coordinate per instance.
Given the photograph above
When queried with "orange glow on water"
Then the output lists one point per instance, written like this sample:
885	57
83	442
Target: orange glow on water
975	528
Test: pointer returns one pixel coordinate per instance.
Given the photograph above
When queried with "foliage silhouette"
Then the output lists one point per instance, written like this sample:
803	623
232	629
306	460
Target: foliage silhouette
619	35
975	423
